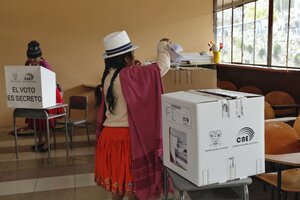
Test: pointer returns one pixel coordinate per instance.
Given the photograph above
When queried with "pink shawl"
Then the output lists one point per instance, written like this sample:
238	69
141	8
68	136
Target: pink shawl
42	63
142	89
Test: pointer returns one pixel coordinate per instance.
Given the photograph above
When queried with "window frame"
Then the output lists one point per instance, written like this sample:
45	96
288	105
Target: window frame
269	31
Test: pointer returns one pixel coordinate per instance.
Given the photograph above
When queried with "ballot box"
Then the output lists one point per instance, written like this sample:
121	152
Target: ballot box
213	135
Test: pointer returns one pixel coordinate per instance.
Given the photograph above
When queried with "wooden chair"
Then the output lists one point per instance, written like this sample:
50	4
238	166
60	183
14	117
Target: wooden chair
280	138
78	104
296	126
283	103
251	89
226	85
270	116
269	111
290	181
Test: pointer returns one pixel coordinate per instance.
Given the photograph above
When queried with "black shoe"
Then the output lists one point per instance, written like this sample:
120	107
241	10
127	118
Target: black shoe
42	149
38	146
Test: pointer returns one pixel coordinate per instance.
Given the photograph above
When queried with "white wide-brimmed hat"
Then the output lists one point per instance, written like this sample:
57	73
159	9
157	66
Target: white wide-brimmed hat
117	43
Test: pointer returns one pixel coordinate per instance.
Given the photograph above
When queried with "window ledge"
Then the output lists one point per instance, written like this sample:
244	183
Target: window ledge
257	67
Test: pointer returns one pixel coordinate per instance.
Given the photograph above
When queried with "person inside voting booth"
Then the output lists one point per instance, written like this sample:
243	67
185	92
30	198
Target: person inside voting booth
34	58
129	139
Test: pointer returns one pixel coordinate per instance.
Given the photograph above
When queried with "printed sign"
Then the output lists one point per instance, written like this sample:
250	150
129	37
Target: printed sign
30	87
179	115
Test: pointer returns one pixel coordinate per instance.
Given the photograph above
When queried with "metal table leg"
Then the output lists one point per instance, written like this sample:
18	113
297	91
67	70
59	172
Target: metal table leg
246	192
48	137
166	186
66	134
35	143
181	194
279	184
16	138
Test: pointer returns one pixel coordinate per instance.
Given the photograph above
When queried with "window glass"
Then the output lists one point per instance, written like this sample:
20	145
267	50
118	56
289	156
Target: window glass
237	35
219	27
261	33
280	32
294	32
226	52
248	35
242	27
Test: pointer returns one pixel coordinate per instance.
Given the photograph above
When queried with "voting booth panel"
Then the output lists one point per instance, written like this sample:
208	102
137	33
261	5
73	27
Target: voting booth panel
212	136
189	79
30	87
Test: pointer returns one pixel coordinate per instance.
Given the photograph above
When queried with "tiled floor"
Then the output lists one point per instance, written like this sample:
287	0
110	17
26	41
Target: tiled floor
32	177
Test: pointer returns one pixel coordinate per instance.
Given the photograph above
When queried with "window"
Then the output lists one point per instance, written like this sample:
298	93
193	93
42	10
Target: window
243	28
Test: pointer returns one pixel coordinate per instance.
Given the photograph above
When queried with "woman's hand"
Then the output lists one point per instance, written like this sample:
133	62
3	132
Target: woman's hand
165	40
163	44
137	62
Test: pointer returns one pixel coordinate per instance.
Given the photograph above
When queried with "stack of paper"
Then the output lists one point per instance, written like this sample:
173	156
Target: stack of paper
196	57
174	50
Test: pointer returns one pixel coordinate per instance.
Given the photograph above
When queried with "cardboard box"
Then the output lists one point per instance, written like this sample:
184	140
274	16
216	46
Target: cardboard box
212	136
189	78
30	87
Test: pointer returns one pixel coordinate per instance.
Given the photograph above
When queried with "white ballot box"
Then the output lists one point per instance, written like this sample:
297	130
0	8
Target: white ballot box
212	136
30	87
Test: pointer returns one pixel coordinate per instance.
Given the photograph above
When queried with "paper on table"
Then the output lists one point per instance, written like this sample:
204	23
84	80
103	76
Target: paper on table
177	56
195	57
174	50
175	47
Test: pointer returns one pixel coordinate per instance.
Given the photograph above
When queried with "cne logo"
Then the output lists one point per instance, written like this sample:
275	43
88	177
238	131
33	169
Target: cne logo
15	76
28	77
246	134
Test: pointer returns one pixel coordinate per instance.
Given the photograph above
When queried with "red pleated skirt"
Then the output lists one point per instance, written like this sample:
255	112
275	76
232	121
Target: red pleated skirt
41	124
113	161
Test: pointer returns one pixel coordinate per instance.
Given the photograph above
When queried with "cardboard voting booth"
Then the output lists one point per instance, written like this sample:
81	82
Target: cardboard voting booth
212	136
189	78
30	87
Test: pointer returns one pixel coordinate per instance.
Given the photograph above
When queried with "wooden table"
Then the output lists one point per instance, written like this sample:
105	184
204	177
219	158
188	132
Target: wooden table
39	113
88	85
281	119
291	160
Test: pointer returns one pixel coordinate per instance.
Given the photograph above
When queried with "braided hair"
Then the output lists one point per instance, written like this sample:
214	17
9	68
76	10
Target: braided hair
117	63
